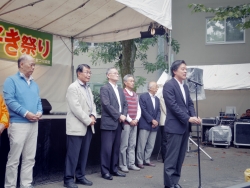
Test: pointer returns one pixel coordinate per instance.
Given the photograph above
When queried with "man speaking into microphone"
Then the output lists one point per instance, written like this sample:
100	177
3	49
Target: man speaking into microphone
180	113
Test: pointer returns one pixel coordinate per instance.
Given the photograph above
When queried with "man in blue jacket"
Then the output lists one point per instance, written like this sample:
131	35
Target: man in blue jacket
148	125
21	95
180	112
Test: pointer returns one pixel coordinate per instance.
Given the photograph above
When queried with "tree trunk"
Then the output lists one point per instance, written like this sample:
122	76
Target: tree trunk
126	64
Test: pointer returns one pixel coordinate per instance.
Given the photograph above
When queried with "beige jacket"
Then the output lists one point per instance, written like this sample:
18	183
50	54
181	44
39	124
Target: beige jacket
163	111
78	111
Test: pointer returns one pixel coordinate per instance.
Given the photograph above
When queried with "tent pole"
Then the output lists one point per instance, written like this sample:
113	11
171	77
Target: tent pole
169	52
72	58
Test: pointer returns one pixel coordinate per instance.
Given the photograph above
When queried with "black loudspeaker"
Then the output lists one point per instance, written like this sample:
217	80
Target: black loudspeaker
242	133
46	106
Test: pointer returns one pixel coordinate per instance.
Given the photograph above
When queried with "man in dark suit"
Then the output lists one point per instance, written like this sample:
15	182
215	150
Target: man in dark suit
148	125
180	112
114	113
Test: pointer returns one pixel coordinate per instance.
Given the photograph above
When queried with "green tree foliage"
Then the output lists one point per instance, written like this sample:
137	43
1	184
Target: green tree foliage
222	13
97	101
125	53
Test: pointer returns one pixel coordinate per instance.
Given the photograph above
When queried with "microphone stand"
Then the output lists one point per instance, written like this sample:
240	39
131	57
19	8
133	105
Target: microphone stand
198	138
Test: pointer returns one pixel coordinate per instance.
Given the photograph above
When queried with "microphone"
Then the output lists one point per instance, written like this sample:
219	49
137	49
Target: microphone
189	80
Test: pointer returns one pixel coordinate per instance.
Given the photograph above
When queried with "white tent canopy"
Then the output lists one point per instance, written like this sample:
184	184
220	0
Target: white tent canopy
221	77
225	85
90	20
225	77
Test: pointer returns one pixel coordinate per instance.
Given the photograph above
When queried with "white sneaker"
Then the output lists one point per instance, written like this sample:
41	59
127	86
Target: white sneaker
124	169
133	167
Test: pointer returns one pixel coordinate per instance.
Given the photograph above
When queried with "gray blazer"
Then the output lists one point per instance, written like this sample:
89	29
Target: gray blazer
110	107
78	110
163	111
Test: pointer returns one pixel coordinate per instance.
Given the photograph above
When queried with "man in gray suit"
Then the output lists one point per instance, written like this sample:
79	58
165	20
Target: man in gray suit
180	112
80	120
114	112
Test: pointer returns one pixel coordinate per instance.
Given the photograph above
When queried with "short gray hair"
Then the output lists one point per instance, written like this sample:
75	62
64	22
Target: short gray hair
108	70
125	78
23	57
151	84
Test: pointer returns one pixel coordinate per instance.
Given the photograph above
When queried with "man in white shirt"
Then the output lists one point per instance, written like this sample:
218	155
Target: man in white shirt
180	112
129	132
148	125
114	113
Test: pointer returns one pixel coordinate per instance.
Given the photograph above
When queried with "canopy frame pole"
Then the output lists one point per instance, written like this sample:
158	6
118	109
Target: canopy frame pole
30	4
169	52
72	58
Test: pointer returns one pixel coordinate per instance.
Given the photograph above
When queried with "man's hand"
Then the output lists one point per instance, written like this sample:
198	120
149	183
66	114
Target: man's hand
154	123
39	115
122	118
195	120
2	127
32	117
93	121
134	122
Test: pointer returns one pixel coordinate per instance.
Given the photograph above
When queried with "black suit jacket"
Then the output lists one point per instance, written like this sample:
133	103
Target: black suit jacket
178	112
110	107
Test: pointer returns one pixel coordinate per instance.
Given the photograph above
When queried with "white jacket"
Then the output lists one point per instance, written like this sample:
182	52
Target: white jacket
78	110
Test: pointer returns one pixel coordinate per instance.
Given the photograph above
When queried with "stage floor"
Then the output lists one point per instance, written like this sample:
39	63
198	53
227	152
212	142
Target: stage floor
227	169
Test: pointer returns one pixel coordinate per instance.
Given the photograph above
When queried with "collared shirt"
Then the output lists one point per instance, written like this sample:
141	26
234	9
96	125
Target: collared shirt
27	80
182	89
138	115
84	88
153	99
115	87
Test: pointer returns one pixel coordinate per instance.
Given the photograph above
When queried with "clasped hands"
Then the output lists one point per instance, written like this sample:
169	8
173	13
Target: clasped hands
93	121
122	118
133	122
195	120
154	123
33	117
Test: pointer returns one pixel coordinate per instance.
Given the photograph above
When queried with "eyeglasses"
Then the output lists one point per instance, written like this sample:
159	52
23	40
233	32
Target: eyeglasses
80	69
114	73
87	73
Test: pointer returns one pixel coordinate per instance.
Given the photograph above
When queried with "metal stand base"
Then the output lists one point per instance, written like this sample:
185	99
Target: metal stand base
199	148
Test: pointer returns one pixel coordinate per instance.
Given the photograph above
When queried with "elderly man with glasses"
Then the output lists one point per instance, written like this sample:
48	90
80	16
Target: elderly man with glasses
80	120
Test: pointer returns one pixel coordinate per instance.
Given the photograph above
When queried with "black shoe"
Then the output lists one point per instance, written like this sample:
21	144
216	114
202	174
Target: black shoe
169	187
177	186
107	176
84	181
70	185
118	174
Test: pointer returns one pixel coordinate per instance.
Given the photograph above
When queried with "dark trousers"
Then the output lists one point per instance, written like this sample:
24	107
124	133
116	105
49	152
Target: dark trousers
176	150
163	143
110	146
76	156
